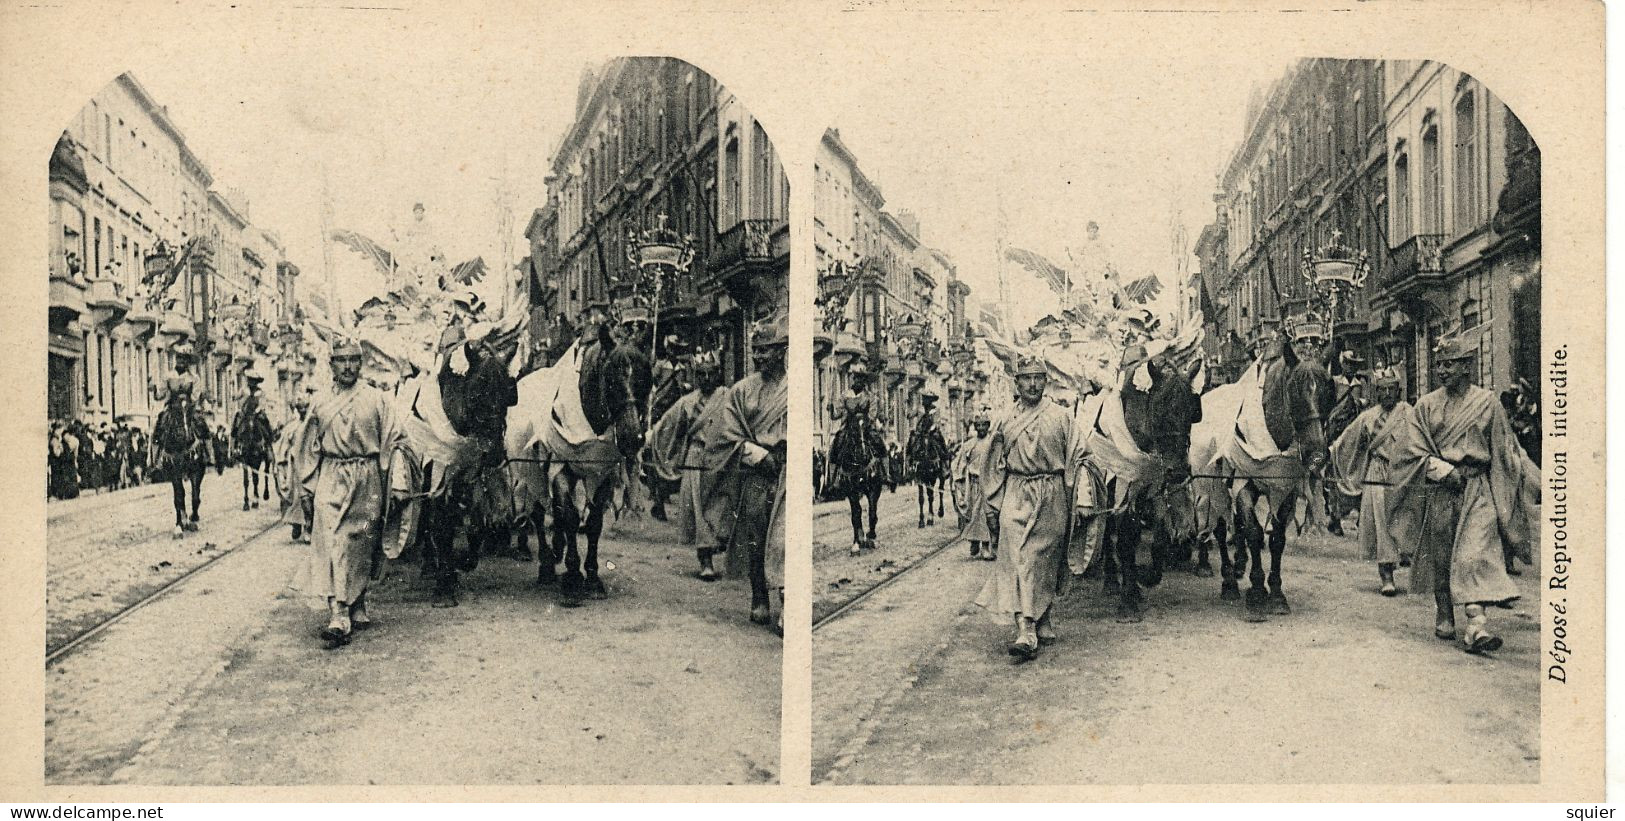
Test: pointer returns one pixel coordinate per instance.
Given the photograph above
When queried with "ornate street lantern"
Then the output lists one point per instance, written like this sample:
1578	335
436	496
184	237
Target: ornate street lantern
908	328
835	287
1336	272
659	256
234	312
158	261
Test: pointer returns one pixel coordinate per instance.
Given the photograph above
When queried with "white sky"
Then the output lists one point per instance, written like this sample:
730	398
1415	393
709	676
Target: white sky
1123	144
445	133
1067	141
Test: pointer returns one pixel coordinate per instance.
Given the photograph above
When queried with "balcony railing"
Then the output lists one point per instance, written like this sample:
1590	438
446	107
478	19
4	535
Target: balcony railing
749	241
1421	256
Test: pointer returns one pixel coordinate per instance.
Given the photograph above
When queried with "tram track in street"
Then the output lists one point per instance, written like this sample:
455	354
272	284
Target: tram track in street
54	655
847	606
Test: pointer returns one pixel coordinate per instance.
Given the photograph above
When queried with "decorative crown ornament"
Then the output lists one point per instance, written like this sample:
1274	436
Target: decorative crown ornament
1336	265
1308	325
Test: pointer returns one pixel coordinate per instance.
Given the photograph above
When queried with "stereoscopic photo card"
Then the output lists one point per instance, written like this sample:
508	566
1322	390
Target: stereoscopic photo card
839	402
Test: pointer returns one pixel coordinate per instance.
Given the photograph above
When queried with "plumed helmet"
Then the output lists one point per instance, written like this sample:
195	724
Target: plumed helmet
771	331
345	346
1030	365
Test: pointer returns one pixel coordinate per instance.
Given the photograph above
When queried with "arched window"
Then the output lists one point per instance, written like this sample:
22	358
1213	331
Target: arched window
1466	168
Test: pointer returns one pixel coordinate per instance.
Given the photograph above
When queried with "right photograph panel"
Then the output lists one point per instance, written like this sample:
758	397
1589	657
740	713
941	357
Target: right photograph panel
1178	429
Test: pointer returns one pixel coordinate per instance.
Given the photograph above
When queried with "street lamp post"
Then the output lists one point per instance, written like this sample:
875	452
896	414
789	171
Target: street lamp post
657	254
1336	272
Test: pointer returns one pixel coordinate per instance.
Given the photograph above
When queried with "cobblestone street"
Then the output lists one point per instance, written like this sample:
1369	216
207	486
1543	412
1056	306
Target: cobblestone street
913	685
222	681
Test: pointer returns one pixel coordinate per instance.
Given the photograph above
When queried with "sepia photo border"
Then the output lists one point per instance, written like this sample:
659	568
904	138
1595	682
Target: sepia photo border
798	67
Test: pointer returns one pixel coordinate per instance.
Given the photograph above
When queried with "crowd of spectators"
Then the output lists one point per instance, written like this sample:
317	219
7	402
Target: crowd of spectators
85	458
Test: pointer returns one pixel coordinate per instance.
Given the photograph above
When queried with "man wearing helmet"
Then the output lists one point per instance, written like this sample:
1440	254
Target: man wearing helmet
1465	493
1028	484
677	454
1361	456
970	466
747	443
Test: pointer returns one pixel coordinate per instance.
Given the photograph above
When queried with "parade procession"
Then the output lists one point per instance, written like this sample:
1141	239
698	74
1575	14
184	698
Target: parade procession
1175	474
517	471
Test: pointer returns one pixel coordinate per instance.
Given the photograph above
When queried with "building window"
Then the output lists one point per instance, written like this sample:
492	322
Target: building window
1432	185
761	173
1466	180
731	182
1403	228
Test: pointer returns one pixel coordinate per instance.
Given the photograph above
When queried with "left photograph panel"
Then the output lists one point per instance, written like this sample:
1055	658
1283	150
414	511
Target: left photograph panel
404	433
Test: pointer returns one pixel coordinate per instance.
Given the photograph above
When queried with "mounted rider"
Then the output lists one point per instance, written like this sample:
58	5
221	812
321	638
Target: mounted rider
181	445
252	437
928	456
857	455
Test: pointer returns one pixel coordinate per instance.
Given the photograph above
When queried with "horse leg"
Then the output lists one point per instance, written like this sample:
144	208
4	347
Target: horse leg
546	556
1277	598
874	512
1111	579
942	496
1154	525
245	485
1256	596
440	532
1127	542
920	496
595	526
177	488
566	522
855	509
197	488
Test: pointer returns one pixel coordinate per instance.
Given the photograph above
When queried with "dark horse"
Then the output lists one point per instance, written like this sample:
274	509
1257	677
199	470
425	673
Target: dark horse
476	403
615	379
1159	421
929	455
1297	397
252	435
857	469
180	443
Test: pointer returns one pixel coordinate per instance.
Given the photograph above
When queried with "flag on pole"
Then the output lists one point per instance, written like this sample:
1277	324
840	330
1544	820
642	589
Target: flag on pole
469	272
1054	275
381	258
1144	289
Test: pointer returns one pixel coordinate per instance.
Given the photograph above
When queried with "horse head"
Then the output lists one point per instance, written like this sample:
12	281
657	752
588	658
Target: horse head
477	401
1161	418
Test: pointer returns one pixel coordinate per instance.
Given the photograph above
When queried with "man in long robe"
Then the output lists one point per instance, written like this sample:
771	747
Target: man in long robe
970	465
1028	484
746	444
296	503
677	451
1360	457
345	451
1464	491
